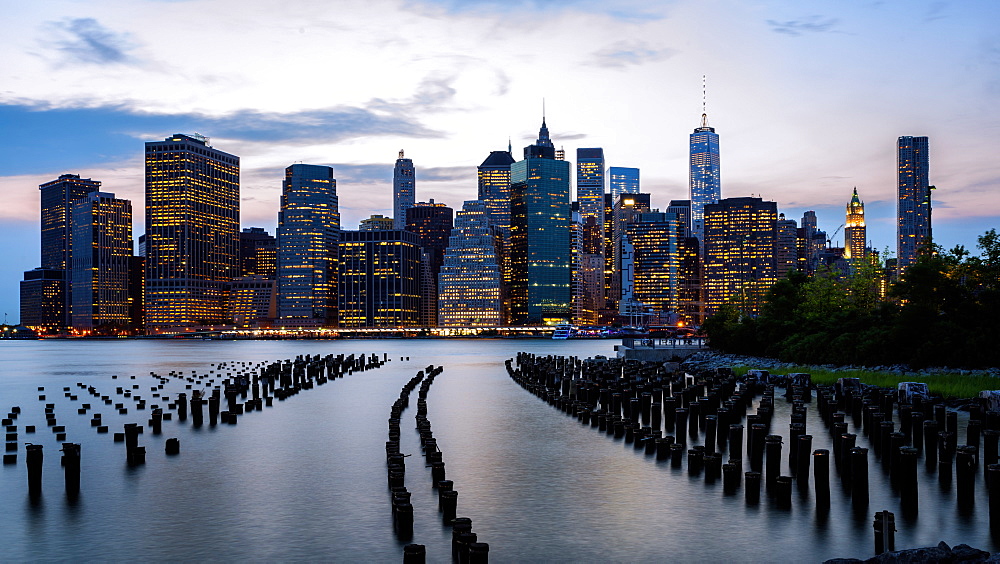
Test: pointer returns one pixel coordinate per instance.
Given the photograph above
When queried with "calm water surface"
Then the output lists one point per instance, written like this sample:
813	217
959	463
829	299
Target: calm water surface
305	479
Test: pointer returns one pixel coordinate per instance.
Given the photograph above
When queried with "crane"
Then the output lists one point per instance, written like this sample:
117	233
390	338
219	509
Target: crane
829	240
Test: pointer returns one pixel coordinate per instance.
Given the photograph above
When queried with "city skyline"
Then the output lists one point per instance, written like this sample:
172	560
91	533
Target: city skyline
450	94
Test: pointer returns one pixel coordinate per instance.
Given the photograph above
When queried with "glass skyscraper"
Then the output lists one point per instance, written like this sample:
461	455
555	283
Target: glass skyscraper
740	241
540	236
494	187
404	190
470	281
308	231
590	183
379	282
192	231
704	174
913	206
101	263
623	180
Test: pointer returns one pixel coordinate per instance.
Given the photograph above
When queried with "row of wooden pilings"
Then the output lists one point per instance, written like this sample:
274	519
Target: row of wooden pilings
253	387
637	402
465	548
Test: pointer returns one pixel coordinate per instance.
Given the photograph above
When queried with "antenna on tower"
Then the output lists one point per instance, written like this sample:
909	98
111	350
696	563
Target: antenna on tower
704	101
543	110
400	153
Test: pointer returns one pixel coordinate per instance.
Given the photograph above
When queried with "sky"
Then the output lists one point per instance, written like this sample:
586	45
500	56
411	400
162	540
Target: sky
808	98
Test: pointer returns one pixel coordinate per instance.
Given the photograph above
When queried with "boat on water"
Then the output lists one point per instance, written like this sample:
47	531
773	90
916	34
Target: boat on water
563	332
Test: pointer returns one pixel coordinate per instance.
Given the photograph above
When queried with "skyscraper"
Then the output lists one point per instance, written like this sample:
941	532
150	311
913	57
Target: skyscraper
623	180
654	239
540	236
590	183
704	174
192	231
469	284
101	263
494	187
432	223
379	282
855	232
624	212
377	222
258	253
740	239
308	230
913	207
786	250
404	190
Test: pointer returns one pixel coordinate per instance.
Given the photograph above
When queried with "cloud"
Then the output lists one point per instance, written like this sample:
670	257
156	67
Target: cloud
90	42
810	24
626	11
624	53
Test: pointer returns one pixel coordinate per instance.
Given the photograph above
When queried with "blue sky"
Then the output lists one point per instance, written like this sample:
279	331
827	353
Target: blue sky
808	97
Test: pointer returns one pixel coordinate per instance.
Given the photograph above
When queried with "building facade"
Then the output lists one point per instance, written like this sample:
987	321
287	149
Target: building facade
308	231
404	190
470	282
622	180
100	272
379	279
432	223
913	205
376	222
258	253
654	278
494	187
704	183
855	232
192	232
739	260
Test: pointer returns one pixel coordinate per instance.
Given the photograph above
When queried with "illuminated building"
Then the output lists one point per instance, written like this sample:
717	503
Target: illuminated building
703	178
913	207
739	261
622	180
590	183
377	222
258	253
855	233
432	223
691	307
786	247
379	279
682	208
655	260
404	190
625	210
540	236
494	187
812	243
192	231
469	284
43	299
252	301
588	297
101	263
308	228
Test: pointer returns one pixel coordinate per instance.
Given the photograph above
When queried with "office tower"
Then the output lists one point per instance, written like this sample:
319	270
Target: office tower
627	206
590	182
913	207
432	223
137	292
404	190
622	180
588	298
812	242
43	299
253	301
470	282
786	247
376	222
494	186
855	232
141	249
101	260
540	236
192	231
739	261
379	282
258	253
682	208
704	174
655	261
691	307
308	228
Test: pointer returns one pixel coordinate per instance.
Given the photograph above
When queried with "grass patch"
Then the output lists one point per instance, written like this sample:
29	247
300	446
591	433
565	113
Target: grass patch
947	385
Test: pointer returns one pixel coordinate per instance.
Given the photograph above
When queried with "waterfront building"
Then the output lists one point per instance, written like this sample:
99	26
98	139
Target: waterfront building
739	260
376	222
703	178
308	230
913	205
101	266
622	180
258	253
192	231
432	223
404	190
253	301
786	247
855	232
625	210
494	186
379	279
43	299
540	236
470	282
655	260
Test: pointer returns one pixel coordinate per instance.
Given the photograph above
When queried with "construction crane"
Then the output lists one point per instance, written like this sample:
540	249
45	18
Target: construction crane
829	240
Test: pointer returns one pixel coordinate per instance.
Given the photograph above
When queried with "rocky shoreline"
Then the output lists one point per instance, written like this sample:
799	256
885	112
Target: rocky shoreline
709	360
940	553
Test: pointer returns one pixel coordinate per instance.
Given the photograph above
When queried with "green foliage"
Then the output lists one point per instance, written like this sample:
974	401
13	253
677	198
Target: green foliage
948	385
945	311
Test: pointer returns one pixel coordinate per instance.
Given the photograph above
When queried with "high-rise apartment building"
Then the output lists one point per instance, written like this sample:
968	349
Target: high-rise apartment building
704	173
739	259
855	232
432	223
540	236
258	253
379	282
622	180
100	272
404	190
470	282
494	186
192	231
308	231
913	205
43	299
